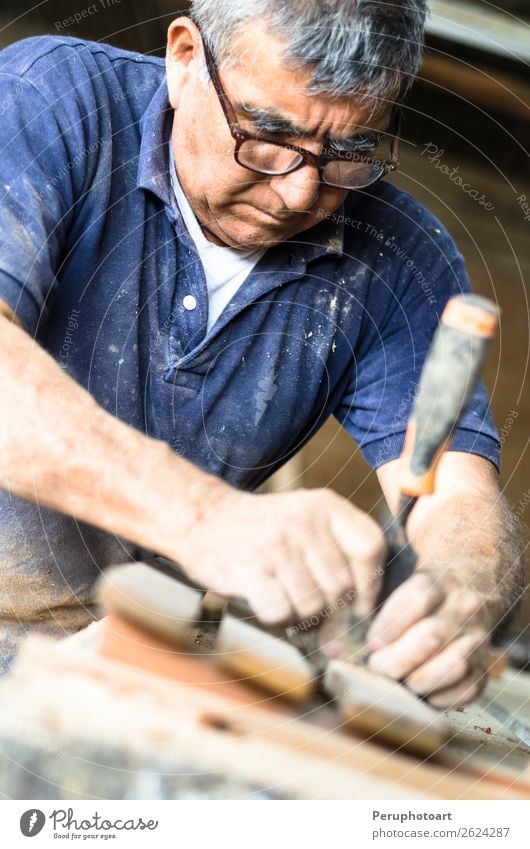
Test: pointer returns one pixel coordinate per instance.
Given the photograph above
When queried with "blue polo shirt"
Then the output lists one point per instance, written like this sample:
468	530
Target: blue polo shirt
95	260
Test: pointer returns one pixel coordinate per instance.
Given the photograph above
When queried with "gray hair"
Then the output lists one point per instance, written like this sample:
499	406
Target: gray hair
368	47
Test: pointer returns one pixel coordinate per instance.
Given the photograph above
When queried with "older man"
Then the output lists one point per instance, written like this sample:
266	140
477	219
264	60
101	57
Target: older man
198	267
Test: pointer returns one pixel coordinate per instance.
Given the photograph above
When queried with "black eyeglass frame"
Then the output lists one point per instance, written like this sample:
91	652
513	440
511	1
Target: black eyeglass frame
308	158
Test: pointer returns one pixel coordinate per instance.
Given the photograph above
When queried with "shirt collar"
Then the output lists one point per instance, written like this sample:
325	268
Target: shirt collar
155	130
325	238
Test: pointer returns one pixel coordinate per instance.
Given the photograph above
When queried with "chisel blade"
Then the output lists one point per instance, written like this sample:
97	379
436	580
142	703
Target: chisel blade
502	715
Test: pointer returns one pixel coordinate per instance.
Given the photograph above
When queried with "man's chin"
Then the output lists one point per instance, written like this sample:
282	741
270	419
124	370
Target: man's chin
248	237
244	233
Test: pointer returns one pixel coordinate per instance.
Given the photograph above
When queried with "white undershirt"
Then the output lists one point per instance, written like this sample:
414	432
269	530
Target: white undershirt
225	269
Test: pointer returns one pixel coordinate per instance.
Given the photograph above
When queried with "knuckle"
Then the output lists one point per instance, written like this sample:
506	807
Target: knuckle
434	634
326	499
458	671
308	604
428	580
340	576
272	614
340	583
371	547
298	524
330	589
265	572
451	582
428	585
478	647
329	494
470	603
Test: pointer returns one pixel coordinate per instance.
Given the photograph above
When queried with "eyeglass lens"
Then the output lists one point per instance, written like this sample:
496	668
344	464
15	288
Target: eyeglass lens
268	158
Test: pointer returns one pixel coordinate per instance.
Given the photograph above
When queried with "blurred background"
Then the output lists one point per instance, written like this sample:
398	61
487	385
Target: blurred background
468	110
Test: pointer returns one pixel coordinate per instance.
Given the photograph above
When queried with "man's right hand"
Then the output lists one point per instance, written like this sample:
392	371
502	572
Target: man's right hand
289	555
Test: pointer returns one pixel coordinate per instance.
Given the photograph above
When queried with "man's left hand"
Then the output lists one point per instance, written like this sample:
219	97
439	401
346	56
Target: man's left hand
433	635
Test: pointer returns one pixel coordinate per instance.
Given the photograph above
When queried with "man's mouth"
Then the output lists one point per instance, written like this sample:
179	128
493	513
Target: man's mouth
280	218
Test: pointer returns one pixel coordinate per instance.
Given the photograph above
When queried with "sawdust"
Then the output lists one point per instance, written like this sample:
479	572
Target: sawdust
204	639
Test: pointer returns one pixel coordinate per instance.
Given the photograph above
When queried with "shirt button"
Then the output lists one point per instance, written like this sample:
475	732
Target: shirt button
189	302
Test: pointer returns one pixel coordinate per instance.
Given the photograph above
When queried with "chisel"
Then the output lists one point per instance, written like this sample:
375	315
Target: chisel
448	379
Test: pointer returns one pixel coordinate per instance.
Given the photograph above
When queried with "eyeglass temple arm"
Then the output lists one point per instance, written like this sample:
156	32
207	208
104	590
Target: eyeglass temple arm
396	134
212	70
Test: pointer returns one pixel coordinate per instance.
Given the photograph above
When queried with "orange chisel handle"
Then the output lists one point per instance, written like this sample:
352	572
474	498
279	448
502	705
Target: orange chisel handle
449	378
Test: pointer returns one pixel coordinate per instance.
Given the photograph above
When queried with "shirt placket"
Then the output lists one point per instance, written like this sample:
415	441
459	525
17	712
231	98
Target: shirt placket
189	315
190	312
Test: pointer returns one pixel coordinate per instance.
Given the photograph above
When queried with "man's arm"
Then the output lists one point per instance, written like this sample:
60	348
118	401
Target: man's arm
433	633
288	554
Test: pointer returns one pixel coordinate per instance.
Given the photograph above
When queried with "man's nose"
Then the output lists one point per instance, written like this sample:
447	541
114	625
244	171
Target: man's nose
298	190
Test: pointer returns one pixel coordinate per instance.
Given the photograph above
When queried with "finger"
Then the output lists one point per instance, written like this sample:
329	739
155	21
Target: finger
336	635
269	601
466	691
300	585
328	565
414	600
449	667
414	648
364	547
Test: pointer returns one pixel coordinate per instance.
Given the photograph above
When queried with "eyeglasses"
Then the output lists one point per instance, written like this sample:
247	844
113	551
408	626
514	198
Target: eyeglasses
341	169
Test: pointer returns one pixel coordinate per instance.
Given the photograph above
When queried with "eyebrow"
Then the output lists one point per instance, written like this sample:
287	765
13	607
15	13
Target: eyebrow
270	122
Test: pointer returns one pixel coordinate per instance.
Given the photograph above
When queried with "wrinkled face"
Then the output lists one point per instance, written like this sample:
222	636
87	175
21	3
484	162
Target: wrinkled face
237	207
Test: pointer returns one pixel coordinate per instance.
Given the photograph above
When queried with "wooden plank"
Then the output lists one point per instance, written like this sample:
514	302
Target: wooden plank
76	704
240	708
498	756
154	601
380	708
264	661
124	642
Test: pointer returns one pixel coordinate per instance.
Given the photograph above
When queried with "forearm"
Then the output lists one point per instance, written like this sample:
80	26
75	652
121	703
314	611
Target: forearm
288	554
473	534
60	449
434	631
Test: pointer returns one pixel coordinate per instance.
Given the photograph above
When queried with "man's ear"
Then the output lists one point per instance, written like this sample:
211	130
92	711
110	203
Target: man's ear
184	47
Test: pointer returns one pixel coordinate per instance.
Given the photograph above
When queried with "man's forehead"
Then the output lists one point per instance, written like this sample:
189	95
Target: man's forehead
355	118
264	83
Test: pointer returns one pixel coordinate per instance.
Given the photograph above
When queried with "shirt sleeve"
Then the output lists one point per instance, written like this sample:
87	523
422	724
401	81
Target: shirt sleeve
35	198
397	329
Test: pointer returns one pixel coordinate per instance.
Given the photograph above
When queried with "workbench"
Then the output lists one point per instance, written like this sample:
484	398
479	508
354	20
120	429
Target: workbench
77	725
